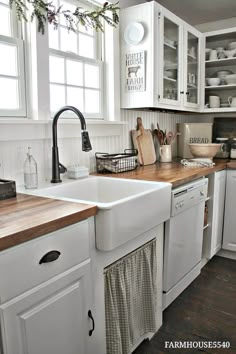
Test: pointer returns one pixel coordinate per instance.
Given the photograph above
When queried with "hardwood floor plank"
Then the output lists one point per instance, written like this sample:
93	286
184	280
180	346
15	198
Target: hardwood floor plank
205	311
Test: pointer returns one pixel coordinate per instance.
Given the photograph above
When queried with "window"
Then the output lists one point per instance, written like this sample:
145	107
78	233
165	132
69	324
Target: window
12	90
75	70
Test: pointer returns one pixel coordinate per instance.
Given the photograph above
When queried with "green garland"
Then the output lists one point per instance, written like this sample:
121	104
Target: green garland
46	12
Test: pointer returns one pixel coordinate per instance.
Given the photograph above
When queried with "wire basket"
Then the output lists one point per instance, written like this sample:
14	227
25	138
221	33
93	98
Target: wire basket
116	163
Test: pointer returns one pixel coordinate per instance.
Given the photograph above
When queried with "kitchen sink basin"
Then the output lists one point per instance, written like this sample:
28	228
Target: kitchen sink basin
126	208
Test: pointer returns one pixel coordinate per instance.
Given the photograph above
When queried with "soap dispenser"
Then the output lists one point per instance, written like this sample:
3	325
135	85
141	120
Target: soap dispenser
30	171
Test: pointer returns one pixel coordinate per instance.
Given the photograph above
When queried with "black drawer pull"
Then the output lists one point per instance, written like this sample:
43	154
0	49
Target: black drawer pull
51	256
93	323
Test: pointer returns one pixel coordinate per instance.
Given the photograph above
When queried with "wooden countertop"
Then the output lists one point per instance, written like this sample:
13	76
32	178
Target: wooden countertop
172	172
26	217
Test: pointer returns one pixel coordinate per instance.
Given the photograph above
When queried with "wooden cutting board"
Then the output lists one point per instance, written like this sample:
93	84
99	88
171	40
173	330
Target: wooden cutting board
143	142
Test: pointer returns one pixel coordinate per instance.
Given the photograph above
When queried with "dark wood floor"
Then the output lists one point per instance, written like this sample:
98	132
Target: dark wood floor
205	311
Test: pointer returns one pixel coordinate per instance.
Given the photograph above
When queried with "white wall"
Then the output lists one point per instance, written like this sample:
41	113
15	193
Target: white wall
13	150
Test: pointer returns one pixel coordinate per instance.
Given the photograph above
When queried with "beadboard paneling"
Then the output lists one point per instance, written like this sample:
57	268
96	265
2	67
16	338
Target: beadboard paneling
13	153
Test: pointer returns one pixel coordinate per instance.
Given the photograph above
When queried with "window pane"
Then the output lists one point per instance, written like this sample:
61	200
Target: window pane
8	59
66	6
91	76
75	97
53	37
6	2
57	70
9	96
86	29
68	40
74	73
5	21
57	97
86	46
92	104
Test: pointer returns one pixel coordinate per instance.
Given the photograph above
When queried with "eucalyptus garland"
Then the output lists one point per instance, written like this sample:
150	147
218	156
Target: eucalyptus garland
47	12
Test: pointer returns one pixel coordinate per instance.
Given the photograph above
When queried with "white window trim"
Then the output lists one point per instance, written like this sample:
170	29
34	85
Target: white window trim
21	111
37	52
84	60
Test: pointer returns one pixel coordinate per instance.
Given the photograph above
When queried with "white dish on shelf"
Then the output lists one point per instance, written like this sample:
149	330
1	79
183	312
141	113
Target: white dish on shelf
134	33
213	81
232	45
230	53
230	79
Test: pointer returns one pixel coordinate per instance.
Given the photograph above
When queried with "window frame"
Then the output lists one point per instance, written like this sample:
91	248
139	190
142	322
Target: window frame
19	44
84	60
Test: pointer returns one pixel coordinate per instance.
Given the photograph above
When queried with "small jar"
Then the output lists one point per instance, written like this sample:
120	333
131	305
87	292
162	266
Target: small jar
233	149
223	153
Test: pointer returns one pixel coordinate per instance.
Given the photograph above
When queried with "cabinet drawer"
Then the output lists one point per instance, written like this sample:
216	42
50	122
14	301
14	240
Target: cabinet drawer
20	269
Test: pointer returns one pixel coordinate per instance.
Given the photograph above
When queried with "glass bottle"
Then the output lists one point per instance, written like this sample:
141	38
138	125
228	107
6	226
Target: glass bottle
30	171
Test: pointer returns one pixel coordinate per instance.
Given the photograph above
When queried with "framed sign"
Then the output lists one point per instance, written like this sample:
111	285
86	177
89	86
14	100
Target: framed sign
135	71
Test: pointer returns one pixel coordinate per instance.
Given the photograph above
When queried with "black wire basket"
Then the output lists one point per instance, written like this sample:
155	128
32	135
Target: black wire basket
115	163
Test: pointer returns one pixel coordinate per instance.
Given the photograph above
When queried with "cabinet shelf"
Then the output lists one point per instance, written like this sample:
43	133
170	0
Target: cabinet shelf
169	79
192	58
192	86
205	226
221	62
221	87
170	46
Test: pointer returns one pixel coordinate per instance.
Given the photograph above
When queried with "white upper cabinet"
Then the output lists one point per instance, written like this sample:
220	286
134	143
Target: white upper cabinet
170	63
219	71
191	62
160	57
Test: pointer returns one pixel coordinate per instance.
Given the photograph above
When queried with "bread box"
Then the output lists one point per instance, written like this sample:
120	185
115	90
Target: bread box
192	133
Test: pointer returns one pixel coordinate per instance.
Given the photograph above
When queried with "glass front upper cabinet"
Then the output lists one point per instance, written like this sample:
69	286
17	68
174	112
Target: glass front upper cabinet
170	82
192	78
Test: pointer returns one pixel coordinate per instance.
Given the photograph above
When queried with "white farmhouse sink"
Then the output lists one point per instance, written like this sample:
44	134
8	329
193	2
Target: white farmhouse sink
126	208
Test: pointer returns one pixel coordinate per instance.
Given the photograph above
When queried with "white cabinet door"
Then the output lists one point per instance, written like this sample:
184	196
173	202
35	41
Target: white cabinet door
191	58
229	235
218	211
52	318
170	69
212	237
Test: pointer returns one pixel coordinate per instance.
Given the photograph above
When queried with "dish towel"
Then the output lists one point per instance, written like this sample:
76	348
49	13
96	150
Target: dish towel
131	298
204	162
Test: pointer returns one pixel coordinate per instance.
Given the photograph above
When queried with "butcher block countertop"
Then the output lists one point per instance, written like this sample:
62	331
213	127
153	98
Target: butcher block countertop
26	217
172	172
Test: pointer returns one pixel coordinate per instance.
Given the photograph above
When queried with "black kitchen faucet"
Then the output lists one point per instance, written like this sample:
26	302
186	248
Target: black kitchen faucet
57	167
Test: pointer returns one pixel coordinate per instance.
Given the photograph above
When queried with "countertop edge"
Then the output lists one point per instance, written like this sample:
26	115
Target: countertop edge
27	233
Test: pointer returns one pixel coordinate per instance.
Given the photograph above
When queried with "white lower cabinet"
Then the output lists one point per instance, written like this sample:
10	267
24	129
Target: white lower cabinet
53	317
212	238
229	235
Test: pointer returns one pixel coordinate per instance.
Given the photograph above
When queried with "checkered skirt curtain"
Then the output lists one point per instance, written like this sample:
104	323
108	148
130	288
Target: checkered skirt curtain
130	298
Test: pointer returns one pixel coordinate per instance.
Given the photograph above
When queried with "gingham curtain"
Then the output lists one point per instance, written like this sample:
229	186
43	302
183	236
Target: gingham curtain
130	298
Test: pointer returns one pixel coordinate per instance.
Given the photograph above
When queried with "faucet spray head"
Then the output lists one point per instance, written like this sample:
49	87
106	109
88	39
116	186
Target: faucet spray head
86	144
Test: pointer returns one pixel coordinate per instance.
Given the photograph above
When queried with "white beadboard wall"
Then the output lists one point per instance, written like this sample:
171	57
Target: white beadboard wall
13	153
167	121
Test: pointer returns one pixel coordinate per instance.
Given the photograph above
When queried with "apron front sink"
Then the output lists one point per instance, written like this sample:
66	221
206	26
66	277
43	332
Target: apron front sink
126	208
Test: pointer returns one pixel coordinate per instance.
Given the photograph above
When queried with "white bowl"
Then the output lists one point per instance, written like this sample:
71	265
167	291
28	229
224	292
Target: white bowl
230	53
232	45
213	81
222	73
230	79
204	150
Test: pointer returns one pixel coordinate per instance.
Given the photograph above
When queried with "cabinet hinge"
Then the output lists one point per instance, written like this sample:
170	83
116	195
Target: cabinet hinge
158	97
159	14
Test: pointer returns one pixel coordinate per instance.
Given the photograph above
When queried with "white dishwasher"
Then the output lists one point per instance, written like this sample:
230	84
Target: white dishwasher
183	238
